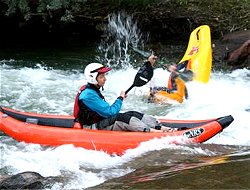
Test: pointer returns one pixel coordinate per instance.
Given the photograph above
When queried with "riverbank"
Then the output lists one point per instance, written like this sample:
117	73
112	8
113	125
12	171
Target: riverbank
67	22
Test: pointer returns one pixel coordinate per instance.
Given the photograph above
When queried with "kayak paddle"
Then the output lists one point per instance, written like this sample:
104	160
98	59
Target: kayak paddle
186	75
140	52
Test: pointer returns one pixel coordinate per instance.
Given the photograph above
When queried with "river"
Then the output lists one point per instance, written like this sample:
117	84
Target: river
43	85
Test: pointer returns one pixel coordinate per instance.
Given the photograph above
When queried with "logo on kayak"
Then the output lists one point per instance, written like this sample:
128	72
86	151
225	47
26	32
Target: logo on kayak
193	133
194	50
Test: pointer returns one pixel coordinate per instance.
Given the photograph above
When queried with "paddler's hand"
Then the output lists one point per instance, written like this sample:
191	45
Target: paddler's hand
173	69
123	95
152	59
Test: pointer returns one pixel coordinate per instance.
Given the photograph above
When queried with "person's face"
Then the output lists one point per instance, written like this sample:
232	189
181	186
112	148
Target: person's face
101	79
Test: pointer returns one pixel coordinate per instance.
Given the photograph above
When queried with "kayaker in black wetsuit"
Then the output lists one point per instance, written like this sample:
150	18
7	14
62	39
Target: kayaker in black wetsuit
93	112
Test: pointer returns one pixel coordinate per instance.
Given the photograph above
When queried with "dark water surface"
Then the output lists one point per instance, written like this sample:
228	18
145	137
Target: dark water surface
172	170
65	58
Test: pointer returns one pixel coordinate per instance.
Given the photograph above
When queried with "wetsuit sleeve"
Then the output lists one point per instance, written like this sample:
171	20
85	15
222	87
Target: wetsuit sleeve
93	101
182	65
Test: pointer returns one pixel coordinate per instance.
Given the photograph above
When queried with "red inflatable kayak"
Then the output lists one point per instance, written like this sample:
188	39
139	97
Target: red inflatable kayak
55	130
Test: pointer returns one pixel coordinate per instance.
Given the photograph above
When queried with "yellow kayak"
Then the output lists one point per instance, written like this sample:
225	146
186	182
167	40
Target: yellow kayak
199	60
199	53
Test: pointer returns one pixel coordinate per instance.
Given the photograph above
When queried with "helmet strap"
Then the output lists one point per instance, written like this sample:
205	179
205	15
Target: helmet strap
98	86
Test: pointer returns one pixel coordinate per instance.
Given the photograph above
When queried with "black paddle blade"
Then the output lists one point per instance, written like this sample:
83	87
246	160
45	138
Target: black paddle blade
141	80
143	76
186	75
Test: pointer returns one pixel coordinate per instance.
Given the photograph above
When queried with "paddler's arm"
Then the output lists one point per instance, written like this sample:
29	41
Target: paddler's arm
91	99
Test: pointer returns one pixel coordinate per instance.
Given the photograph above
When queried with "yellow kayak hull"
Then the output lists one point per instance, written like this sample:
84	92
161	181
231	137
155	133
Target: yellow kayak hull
199	52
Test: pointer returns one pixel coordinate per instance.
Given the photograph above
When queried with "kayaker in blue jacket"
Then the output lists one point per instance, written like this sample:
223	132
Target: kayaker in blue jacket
95	113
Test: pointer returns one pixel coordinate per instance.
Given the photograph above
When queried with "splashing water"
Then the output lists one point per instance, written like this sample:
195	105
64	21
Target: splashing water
121	35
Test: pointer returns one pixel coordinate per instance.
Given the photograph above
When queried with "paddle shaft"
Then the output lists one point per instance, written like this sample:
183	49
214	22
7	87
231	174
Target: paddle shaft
130	88
186	76
145	74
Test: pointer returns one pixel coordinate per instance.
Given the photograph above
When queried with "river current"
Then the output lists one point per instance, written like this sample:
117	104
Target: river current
42	86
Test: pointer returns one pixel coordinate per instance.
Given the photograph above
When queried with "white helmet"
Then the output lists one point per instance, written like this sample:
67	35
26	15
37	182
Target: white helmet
92	70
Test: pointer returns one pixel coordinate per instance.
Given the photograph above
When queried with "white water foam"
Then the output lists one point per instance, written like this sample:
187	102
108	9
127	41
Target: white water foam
52	91
45	90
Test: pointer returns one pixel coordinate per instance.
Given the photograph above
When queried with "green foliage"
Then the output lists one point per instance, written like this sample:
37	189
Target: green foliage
227	15
132	3
11	7
67	17
231	15
18	5
183	2
67	8
58	4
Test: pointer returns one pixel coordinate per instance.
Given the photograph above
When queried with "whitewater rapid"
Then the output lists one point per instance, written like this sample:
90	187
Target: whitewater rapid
46	90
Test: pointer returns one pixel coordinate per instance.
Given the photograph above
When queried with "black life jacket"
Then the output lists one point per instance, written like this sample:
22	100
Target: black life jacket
84	114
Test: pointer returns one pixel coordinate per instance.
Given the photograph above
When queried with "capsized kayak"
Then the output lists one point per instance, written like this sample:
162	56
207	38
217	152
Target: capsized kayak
55	130
199	53
199	57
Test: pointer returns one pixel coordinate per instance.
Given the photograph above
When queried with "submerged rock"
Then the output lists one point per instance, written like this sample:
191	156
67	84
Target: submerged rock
25	180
